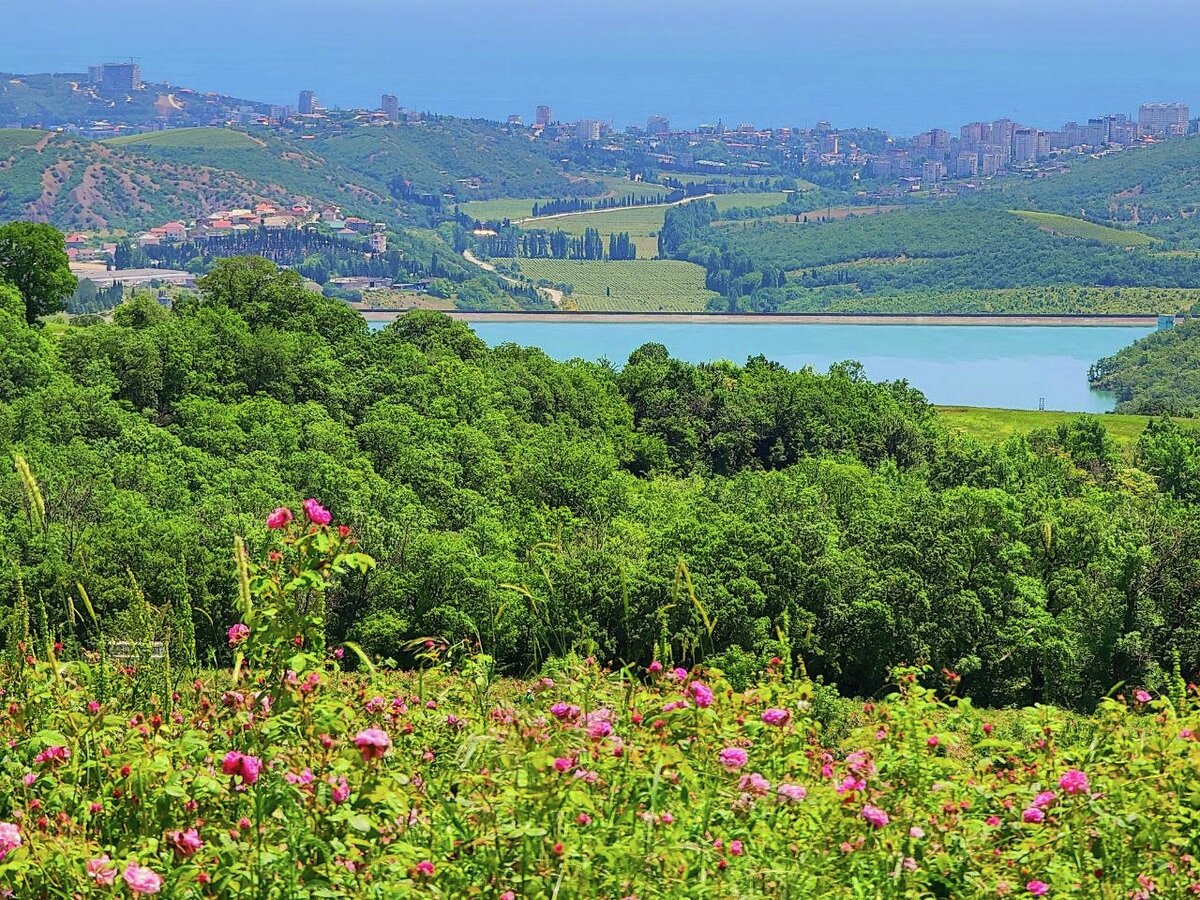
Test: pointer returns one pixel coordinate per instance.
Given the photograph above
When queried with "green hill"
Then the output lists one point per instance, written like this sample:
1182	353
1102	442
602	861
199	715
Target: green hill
1154	189
188	138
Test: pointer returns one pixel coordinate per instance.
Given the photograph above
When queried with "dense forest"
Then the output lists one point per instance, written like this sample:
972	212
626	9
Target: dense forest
1156	375
537	506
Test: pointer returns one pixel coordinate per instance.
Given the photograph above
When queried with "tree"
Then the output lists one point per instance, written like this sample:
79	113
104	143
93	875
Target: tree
33	259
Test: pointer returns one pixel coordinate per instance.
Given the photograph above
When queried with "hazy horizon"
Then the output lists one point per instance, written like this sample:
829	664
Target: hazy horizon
902	69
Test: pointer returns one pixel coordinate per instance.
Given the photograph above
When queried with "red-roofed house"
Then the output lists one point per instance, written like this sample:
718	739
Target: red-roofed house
76	241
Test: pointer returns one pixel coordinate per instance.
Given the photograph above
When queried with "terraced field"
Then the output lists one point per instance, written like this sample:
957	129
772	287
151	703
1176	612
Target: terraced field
640	285
1080	228
14	138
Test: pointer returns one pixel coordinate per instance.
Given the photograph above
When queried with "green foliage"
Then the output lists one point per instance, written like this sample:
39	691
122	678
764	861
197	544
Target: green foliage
637	285
1081	228
1158	374
33	259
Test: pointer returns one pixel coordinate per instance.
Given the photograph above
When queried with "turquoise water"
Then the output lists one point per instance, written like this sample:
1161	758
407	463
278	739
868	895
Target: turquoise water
970	365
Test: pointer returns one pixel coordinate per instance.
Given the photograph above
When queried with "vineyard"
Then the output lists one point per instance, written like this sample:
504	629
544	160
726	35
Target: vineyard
190	139
1079	228
635	285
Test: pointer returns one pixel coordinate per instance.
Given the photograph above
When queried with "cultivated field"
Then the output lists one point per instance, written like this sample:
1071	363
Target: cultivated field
811	216
640	285
1073	227
521	208
189	139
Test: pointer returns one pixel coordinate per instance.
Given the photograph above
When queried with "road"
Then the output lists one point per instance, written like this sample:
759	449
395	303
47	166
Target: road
554	295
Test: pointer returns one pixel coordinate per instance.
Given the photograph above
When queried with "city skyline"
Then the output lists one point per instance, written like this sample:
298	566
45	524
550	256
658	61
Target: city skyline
758	61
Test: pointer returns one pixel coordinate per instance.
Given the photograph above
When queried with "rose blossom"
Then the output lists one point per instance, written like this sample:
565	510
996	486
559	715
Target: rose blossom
372	743
10	838
792	793
1037	888
102	871
237	633
142	880
279	518
317	514
733	757
776	717
1074	782
875	816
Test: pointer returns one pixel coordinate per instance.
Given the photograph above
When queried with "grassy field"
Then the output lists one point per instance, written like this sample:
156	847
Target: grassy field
189	139
643	222
640	285
1073	227
812	216
14	138
998	424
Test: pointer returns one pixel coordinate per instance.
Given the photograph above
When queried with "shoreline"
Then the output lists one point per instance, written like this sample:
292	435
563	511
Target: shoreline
1118	320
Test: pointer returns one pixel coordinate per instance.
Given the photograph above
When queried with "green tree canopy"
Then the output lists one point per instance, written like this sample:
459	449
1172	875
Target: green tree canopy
33	258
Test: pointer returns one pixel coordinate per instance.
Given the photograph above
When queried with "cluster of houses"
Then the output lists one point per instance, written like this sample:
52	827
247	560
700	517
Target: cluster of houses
273	217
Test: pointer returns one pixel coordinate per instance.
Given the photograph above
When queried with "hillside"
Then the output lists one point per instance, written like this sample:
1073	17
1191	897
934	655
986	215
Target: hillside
77	184
59	99
1155	189
1156	375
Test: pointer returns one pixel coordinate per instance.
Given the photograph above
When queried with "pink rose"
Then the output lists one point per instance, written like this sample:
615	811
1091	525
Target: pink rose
776	717
1037	888
733	757
1033	815
141	880
186	843
102	871
701	693
875	816
791	793
10	838
317	514
279	518
1074	782
237	633
372	743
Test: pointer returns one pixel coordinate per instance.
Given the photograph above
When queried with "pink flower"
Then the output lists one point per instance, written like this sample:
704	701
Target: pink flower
654	667
372	743
679	674
562	763
932	741
916	832
186	843
565	712
10	838
1142	696
701	693
733	757
102	871
236	763
791	793
237	633
599	729
279	518
776	716
1033	815
1074	782
141	880
341	791
1037	888
736	848
425	867
993	821
754	783
317	514
875	816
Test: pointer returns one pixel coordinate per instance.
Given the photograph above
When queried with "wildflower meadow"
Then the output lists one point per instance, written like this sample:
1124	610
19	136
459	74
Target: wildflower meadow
306	771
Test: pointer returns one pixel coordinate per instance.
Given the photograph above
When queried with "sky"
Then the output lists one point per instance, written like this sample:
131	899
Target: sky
901	65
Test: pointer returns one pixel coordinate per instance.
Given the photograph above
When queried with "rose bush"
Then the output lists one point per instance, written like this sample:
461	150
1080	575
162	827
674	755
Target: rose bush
291	777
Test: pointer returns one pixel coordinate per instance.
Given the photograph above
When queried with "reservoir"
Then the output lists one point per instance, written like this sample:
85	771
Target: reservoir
1009	366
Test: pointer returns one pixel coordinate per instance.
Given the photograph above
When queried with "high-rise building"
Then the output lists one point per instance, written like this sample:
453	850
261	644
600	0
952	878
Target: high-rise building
588	130
831	143
992	162
1030	145
390	106
1163	119
379	242
1002	134
967	165
514	119
543	116
116	77
658	125
932	171
308	104
281	113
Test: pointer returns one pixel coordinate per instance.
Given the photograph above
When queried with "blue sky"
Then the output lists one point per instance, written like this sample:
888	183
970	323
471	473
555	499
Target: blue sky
904	65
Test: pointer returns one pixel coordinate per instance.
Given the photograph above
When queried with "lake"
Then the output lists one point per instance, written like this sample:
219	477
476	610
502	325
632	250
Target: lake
1014	367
